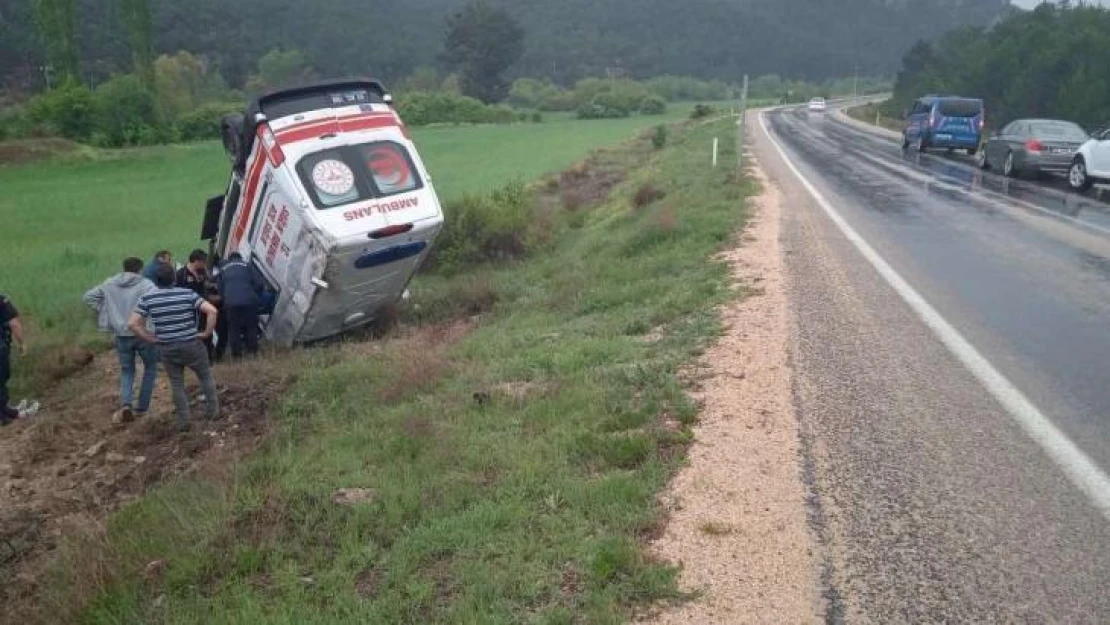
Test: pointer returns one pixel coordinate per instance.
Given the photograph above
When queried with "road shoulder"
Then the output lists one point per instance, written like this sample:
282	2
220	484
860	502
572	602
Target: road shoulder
738	526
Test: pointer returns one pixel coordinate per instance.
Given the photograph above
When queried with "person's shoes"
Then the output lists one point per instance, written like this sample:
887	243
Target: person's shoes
124	415
29	409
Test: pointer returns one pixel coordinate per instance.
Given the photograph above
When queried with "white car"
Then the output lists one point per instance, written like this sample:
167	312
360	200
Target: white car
1092	163
818	105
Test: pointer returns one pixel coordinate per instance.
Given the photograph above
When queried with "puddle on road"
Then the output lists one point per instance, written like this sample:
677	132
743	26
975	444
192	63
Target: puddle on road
1091	208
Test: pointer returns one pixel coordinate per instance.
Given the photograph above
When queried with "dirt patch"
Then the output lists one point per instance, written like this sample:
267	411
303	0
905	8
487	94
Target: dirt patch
369	582
646	194
588	183
738	520
71	467
25	151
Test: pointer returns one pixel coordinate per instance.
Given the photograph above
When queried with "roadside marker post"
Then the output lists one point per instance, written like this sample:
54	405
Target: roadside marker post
740	126
716	142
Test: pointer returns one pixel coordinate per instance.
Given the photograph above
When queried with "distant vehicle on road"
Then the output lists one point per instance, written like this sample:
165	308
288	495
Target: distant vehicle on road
818	105
944	122
1032	146
1091	163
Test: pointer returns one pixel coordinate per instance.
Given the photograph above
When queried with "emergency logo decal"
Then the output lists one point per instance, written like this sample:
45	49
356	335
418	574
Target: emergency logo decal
390	168
333	178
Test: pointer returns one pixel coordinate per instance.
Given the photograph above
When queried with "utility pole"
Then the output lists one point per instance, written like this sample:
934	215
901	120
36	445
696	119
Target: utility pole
740	126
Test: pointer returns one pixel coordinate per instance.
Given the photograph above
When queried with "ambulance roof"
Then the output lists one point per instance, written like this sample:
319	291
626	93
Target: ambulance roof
317	96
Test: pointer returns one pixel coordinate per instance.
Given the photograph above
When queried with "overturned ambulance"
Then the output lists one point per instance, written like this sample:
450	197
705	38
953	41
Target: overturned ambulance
329	201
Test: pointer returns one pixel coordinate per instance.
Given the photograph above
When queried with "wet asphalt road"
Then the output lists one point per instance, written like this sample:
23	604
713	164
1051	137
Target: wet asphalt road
931	502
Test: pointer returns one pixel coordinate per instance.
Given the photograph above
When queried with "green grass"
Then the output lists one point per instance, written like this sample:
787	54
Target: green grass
526	508
875	114
69	224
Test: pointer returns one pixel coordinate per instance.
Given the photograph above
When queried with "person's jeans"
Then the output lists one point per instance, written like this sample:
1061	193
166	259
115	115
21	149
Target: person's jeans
242	324
176	358
128	348
222	337
6	411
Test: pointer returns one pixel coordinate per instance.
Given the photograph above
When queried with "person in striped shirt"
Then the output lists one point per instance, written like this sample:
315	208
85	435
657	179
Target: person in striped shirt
174	314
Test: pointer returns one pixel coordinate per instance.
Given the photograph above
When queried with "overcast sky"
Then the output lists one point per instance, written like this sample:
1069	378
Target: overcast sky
1032	3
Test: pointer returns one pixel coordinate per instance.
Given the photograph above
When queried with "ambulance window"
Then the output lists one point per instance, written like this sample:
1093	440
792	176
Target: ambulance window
329	178
390	167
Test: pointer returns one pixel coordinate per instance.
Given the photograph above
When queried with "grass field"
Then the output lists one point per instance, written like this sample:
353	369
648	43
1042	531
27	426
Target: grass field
527	506
67	225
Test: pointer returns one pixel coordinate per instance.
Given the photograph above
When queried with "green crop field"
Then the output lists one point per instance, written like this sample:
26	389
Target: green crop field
67	225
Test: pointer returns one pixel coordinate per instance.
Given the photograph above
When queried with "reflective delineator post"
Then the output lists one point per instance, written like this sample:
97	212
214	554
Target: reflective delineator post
740	125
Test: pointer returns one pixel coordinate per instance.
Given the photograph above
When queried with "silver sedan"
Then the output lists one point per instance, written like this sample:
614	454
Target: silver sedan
1032	146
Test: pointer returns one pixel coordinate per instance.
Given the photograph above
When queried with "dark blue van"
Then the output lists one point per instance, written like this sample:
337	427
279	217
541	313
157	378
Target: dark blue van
944	122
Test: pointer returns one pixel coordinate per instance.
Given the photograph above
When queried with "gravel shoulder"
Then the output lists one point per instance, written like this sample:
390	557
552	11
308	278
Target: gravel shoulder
738	527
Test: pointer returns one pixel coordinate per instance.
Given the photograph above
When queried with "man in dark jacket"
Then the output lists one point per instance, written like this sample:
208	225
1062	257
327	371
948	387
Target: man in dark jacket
162	257
241	292
10	329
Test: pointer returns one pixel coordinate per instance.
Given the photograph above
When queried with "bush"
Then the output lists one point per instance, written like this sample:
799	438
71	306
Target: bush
126	113
420	108
688	89
619	94
557	101
70	110
499	114
485	228
653	105
659	137
204	122
537	117
702	111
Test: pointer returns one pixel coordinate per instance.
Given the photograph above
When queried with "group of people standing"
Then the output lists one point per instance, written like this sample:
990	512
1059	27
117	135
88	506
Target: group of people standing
184	319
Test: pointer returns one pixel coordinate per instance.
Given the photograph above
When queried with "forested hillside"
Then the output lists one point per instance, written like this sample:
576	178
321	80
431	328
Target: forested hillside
1050	62
564	40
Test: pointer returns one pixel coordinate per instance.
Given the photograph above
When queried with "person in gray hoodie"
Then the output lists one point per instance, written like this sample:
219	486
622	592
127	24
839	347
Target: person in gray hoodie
114	301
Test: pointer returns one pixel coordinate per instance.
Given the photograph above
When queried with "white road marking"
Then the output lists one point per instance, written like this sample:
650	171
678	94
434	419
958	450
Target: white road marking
1079	468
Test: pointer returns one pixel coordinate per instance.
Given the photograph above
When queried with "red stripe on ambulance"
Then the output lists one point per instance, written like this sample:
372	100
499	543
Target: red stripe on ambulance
253	178
353	123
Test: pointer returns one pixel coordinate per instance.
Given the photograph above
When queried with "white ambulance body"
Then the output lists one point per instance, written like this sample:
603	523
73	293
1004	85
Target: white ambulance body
329	201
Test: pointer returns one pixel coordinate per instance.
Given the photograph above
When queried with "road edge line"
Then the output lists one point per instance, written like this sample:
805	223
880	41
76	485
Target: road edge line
1076	465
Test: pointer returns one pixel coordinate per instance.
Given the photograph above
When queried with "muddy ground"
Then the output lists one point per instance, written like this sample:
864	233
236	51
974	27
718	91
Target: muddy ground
71	466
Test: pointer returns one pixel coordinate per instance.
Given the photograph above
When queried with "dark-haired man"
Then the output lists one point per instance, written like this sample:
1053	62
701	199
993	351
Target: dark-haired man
195	277
114	300
161	257
174	312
